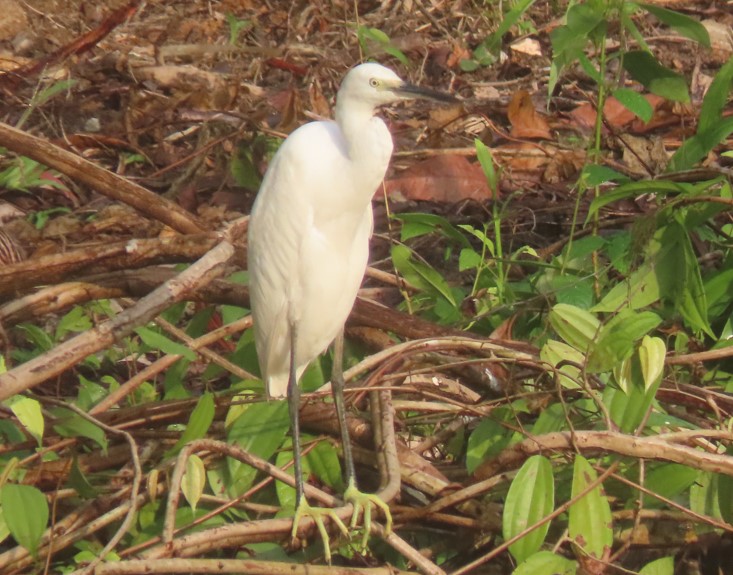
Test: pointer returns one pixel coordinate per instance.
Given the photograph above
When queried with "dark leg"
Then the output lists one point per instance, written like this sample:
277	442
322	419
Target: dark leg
337	387
360	501
301	504
294	410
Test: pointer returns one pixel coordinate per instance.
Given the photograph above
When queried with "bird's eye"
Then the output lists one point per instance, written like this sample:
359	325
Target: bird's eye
373	82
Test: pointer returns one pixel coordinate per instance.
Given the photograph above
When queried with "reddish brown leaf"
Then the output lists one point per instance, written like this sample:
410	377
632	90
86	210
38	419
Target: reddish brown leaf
526	121
441	179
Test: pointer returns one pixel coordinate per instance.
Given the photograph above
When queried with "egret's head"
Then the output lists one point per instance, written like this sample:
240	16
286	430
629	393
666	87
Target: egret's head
375	85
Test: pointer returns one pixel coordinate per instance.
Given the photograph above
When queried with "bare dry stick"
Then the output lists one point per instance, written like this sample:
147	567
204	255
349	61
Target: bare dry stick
99	179
239	566
74	350
119	255
658	448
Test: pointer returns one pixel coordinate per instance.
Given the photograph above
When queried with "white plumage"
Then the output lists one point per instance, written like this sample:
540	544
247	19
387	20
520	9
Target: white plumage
310	225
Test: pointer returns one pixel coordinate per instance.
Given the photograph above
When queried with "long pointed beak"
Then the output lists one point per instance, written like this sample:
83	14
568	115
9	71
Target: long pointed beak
412	91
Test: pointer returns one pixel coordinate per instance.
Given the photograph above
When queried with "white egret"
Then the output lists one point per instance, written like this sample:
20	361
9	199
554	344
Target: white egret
308	248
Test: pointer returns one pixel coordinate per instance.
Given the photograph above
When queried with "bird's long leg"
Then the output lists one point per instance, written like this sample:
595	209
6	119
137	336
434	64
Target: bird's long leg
302	508
352	494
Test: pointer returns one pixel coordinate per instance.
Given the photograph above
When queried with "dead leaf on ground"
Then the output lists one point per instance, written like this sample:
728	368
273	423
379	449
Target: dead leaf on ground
526	121
527	46
443	178
619	116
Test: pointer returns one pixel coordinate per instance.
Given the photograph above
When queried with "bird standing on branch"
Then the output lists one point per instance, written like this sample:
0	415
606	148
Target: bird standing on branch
308	249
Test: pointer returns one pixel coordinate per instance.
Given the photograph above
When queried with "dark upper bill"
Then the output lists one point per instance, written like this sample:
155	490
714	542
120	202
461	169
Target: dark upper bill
412	91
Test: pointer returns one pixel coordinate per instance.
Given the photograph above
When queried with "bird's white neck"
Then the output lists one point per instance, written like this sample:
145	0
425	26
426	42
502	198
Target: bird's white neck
368	141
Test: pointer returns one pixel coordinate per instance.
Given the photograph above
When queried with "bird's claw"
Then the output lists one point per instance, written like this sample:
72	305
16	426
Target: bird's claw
317	514
364	501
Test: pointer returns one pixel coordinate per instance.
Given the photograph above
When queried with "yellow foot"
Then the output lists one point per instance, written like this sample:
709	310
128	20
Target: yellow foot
364	501
317	514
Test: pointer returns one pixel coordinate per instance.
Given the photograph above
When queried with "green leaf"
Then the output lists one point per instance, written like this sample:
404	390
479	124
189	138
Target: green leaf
469	259
645	69
704	494
261	430
531	498
73	322
194	480
716	98
69	424
669	480
725	496
662	566
639	290
589	518
686	26
158	341
712	128
556	352
594	175
616	339
576	326
4	530
651	357
487	165
324	463
26	514
546	563
198	422
635	103
487	440
28	412
421	274
418	224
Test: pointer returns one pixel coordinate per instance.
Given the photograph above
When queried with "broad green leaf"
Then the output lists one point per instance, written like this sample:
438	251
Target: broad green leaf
4	531
487	440
589	518
551	419
725	496
617	339
639	290
698	146
198	422
704	494
261	430
680	279
555	353
469	259
324	463
635	103
651	357
78	481
669	480
686	26
69	424
645	69
418	224
594	174
628	407
662	566
421	274
74	321
194	480
576	326
716	98
28	412
633	190
712	128
531	497
25	510
546	563
158	341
